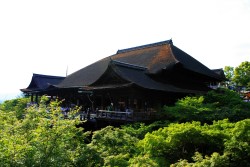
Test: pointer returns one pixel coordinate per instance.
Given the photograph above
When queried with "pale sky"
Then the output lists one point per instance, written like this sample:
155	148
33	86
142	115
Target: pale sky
47	36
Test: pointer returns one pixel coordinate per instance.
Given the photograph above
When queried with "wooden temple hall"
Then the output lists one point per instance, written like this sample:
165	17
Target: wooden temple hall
136	80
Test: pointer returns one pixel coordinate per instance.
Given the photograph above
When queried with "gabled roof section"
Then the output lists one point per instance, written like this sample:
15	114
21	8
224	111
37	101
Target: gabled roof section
42	82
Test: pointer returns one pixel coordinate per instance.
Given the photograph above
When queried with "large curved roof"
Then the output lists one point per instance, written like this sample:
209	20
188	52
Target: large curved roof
153	57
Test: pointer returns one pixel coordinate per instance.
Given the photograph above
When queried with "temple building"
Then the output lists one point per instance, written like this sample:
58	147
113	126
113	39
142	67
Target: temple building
141	78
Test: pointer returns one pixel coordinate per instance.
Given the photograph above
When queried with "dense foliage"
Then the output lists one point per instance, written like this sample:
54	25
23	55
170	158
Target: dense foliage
215	105
43	137
179	142
242	74
17	105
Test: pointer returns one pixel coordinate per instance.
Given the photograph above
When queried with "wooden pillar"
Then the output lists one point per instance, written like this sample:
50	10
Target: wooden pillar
102	102
36	100
31	98
129	103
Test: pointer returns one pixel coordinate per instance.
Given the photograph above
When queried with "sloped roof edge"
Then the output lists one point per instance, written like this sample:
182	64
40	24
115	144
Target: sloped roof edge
192	64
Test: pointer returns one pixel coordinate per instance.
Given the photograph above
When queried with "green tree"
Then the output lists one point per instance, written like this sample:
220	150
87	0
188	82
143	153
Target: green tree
189	109
17	106
215	105
237	147
114	145
139	130
242	74
44	138
229	73
146	161
181	141
215	160
192	144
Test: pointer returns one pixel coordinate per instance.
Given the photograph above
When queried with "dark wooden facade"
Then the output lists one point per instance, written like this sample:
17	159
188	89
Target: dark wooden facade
141	78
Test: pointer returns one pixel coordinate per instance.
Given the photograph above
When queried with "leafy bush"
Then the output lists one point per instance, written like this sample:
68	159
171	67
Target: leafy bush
228	104
114	145
43	138
139	130
223	97
189	109
17	106
215	160
238	146
146	161
215	105
191	144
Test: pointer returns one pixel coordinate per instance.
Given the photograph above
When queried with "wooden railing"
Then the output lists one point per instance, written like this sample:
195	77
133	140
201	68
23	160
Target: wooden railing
120	115
114	114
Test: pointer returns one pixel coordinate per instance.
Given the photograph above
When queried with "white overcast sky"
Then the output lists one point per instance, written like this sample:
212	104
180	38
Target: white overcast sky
47	36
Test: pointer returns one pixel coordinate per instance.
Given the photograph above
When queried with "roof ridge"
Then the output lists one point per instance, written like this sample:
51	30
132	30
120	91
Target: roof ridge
116	62
145	46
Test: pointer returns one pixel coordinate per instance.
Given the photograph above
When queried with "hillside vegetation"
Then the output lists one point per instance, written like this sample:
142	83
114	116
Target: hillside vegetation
210	130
